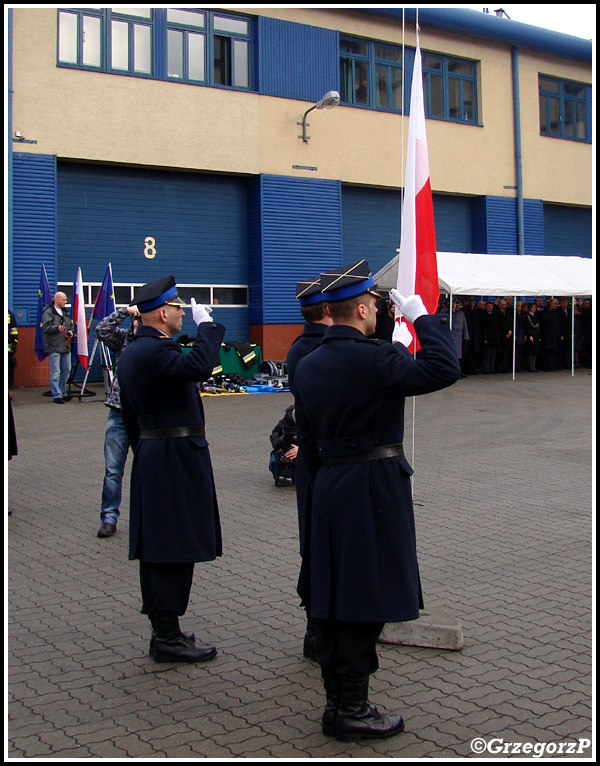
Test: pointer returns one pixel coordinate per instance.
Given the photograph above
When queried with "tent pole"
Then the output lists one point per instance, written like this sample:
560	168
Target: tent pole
514	335
450	311
572	336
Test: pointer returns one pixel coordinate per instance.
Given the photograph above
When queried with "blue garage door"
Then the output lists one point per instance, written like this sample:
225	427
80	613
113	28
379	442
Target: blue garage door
567	230
149	224
371	222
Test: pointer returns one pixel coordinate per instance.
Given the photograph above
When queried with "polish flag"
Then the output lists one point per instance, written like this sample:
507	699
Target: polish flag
80	341
417	262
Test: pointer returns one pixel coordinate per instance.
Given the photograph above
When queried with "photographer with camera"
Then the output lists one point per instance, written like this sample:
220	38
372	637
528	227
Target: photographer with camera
57	327
282	462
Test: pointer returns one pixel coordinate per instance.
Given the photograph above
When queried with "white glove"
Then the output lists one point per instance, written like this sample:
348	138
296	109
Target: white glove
401	334
200	313
412	307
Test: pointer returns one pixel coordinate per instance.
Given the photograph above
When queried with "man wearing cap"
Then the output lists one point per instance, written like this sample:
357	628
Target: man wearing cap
174	516
350	394
317	319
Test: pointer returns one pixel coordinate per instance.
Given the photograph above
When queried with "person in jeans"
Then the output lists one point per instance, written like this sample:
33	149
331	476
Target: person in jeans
116	441
57	327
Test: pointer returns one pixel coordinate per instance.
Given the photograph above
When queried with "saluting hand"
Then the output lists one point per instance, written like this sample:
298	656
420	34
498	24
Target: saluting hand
200	313
412	307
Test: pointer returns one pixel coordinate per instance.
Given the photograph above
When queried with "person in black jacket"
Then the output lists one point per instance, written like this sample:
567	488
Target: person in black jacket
363	546
505	329
532	329
566	334
490	338
174	514
282	461
551	334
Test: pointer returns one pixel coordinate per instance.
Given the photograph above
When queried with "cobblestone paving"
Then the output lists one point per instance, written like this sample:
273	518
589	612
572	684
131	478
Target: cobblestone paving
503	498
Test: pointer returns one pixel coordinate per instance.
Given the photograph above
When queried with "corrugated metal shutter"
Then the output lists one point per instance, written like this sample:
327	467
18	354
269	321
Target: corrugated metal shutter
533	214
34	228
199	224
495	226
568	230
372	224
296	60
299	235
453	230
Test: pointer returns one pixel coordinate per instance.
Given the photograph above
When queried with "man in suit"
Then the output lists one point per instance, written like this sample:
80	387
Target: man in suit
350	394
174	515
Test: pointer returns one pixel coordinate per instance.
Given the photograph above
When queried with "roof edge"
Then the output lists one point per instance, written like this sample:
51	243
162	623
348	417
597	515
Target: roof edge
495	28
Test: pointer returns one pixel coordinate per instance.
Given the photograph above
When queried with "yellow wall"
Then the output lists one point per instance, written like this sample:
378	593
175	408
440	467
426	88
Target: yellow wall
114	118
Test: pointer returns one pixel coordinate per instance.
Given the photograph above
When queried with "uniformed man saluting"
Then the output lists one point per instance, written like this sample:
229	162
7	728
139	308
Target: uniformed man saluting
174	516
349	395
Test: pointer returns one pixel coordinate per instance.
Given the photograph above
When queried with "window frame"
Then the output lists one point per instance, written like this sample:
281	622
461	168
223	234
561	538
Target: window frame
80	14
91	290
372	61
239	66
564	102
132	21
447	79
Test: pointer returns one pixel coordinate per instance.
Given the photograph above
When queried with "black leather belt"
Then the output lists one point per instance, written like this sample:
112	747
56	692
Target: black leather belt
377	453
169	433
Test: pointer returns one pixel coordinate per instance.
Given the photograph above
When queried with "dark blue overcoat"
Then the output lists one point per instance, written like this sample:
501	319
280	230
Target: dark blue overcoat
350	394
312	335
174	516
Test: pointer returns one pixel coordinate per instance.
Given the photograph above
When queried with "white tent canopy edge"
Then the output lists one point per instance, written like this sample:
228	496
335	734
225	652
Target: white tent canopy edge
490	274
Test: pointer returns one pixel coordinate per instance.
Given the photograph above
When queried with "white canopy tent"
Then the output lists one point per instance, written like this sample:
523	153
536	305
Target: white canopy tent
483	274
488	274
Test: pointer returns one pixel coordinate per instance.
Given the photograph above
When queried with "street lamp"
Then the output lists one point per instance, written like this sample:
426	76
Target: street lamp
329	101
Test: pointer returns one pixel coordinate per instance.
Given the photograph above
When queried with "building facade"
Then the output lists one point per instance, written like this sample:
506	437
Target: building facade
170	140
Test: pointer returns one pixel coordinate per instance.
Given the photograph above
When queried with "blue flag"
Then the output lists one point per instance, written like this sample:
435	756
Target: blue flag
105	300
44	299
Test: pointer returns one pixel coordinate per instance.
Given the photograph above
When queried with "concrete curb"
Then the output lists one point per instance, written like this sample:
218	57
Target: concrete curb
436	629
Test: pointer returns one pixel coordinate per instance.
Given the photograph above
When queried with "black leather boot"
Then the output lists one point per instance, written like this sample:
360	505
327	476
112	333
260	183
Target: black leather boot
333	688
189	637
357	718
169	644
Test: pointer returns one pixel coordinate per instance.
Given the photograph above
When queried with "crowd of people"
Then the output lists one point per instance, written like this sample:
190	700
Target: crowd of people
541	331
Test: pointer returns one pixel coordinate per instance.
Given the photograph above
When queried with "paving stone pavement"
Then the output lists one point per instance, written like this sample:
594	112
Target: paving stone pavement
503	500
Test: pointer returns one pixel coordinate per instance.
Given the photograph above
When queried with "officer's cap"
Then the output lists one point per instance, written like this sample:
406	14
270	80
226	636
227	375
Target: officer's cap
348	282
308	292
156	294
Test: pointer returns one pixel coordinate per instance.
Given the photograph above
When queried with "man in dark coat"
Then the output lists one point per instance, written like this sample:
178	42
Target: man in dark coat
350	394
551	334
174	516
317	319
490	338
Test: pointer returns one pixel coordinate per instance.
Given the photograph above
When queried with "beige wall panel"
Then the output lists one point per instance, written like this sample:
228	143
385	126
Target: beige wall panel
554	169
114	118
111	118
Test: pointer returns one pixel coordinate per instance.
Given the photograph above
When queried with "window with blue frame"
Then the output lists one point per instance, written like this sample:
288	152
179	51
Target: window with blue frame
449	88
371	76
208	47
564	108
80	38
197	46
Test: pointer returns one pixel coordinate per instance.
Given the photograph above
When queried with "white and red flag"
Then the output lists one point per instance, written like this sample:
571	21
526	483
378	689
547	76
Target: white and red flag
80	339
417	262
